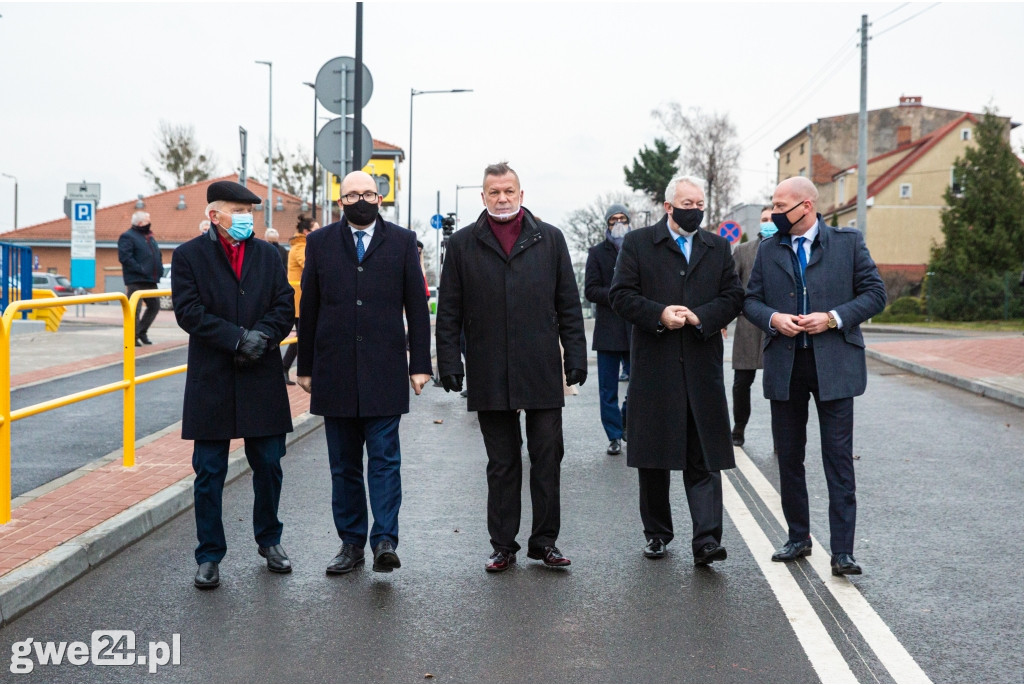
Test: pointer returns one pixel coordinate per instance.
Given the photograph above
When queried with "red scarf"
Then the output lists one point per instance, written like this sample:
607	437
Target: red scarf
507	232
235	253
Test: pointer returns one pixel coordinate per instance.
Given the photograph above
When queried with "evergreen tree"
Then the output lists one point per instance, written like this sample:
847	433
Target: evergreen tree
983	222
653	170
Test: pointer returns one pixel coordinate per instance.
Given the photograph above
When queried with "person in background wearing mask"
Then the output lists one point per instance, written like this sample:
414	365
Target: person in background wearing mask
811	287
204	226
508	281
677	285
746	343
232	297
296	261
361	274
611	332
142	267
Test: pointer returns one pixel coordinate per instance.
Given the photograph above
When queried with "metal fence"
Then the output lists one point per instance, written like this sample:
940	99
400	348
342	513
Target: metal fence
15	272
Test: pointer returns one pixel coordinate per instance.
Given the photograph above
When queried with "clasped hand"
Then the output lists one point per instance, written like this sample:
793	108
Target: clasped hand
676	316
791	325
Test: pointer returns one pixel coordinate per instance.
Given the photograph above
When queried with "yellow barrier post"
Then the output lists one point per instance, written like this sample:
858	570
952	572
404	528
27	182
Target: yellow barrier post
128	429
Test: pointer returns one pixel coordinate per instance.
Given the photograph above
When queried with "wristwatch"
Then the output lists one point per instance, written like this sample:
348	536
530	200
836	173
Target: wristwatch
832	323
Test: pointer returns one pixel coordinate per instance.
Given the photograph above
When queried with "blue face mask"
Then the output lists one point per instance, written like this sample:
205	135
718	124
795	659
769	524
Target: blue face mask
241	226
768	229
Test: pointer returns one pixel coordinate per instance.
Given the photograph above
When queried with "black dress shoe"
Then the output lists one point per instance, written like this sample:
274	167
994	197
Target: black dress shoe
349	556
737	438
277	559
208	575
615	447
709	553
655	548
791	551
385	560
550	555
144	339
500	561
845	565
287	379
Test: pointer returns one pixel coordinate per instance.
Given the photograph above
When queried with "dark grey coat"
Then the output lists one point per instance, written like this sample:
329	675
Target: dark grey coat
611	331
515	311
747	340
224	401
140	257
671	371
840	276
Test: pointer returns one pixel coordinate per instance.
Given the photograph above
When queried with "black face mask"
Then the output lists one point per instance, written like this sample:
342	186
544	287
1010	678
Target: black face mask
688	220
782	222
145	228
361	213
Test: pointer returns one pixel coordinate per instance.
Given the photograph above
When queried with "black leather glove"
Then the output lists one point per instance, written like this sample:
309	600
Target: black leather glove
575	377
252	344
452	382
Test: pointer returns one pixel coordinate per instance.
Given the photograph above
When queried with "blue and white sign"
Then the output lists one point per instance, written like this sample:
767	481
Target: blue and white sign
83	244
437	221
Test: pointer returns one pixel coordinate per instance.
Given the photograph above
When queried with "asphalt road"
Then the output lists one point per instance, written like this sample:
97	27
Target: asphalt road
941	517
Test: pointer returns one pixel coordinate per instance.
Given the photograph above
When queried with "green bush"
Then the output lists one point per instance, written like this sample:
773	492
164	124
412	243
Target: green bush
974	296
906	305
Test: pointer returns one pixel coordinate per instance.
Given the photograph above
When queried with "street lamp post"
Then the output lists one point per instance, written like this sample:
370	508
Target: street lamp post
15	179
412	94
313	86
268	213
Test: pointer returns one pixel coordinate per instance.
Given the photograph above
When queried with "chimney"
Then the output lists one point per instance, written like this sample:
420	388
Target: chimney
902	136
910	101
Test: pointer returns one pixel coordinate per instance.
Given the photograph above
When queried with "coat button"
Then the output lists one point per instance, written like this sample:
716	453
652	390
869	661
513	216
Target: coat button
359	338
359	303
792	295
359	268
241	291
789	347
683	272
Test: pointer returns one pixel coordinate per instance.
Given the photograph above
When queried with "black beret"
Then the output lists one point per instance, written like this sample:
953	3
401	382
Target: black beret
229	191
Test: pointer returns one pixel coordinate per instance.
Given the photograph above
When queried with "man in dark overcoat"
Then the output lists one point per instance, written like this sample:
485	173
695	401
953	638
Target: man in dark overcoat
361	274
611	332
508	282
142	268
231	295
811	287
677	285
747	338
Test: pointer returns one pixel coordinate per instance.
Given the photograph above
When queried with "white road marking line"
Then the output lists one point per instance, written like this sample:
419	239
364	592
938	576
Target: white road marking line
893	655
825	657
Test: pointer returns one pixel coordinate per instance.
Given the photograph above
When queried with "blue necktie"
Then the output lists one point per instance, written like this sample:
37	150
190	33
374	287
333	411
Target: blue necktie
684	246
801	256
360	248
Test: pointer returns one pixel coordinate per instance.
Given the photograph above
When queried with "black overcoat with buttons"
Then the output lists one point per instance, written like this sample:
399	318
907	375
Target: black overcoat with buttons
611	332
515	310
675	370
353	335
222	400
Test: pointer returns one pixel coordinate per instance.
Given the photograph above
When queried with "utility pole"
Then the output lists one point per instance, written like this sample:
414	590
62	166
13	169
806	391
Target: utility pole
357	98
862	133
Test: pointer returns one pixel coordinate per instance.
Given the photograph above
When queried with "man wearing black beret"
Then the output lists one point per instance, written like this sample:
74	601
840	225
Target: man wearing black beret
232	296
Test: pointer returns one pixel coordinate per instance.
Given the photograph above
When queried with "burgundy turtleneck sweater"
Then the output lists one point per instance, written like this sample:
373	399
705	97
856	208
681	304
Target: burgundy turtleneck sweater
507	232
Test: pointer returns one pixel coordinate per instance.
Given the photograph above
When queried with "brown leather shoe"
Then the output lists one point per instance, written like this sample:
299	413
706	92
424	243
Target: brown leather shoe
500	561
550	555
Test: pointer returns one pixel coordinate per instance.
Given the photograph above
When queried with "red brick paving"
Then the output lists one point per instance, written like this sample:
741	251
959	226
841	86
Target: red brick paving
967	357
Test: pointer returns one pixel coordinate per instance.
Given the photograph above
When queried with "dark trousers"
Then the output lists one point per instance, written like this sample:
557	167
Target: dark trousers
608	389
703	495
345	440
291	352
742	379
210	462
789	429
503	441
144	320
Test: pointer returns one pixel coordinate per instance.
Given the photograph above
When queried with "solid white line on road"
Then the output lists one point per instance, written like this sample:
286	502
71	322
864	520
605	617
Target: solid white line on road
825	657
890	652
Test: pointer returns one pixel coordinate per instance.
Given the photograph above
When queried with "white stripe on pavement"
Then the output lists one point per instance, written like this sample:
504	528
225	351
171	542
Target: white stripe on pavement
825	657
890	652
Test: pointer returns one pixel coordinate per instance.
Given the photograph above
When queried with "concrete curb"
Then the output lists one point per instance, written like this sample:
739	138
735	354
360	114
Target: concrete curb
38	579
978	387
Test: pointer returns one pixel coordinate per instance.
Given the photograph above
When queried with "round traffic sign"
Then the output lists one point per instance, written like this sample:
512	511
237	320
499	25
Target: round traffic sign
329	85
328	146
731	231
437	221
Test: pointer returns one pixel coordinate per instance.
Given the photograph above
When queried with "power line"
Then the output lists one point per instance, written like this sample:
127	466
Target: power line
892	11
912	16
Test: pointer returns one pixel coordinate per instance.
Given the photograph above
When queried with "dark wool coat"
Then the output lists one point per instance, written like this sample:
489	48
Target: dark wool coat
672	370
140	257
747	340
352	337
515	310
611	331
840	276
223	400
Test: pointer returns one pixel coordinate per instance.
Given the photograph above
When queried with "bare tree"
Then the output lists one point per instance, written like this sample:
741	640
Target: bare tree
585	227
710	150
179	160
293	171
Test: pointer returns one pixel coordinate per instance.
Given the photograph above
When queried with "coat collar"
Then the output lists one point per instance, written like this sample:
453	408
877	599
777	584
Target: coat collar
380	233
529	236
247	258
699	245
783	252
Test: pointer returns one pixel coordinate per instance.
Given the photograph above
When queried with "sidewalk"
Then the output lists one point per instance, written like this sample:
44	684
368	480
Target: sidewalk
59	531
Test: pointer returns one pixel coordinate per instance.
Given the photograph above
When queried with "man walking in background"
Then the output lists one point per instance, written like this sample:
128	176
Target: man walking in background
142	267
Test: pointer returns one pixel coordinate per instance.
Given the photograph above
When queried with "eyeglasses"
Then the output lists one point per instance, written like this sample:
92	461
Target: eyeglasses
615	222
369	196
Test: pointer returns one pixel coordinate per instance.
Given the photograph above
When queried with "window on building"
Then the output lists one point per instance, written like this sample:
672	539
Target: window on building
801	147
802	172
787	155
965	134
840	191
904	190
956	183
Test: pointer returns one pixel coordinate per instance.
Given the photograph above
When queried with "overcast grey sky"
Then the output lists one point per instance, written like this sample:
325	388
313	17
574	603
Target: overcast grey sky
564	91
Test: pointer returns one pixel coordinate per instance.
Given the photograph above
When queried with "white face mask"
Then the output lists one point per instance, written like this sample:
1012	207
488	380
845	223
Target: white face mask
504	217
619	230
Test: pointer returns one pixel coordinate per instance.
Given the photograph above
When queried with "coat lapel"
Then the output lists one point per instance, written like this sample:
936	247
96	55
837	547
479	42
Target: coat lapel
698	246
782	255
484	234
530	235
248	258
380	234
822	241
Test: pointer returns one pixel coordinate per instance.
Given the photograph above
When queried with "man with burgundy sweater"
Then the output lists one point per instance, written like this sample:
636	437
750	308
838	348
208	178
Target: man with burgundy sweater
508	282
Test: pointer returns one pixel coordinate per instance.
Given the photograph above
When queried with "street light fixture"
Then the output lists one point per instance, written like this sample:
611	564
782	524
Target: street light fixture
269	213
412	94
313	169
15	179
